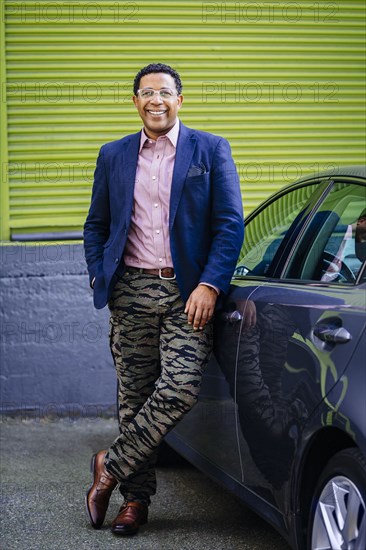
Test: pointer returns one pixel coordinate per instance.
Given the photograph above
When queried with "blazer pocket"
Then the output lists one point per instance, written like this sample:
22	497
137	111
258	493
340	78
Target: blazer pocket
196	170
200	178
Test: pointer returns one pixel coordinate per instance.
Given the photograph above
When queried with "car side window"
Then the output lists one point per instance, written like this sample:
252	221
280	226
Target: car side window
265	233
332	249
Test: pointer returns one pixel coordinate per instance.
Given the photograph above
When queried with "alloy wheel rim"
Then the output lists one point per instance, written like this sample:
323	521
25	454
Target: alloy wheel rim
340	517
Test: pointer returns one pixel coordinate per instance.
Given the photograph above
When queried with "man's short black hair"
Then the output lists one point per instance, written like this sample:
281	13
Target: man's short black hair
157	68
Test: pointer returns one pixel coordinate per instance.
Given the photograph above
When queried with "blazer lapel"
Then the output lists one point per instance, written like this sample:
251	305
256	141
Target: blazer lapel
185	147
128	169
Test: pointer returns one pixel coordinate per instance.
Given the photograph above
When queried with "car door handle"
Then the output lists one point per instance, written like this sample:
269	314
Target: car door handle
336	335
232	317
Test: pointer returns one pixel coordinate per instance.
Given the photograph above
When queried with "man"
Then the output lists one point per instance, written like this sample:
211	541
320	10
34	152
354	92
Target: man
162	238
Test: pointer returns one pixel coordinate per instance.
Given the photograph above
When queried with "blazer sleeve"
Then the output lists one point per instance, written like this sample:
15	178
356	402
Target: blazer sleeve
97	224
227	225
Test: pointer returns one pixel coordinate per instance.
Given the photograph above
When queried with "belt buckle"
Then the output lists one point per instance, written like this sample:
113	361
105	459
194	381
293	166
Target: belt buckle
166	278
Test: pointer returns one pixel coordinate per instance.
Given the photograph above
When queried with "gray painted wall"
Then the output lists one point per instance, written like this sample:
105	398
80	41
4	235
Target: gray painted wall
55	358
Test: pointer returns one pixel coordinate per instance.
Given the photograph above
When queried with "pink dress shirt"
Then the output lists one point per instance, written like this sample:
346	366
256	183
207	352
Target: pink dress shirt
148	244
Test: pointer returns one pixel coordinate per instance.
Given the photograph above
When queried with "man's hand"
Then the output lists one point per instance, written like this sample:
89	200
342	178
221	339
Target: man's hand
200	306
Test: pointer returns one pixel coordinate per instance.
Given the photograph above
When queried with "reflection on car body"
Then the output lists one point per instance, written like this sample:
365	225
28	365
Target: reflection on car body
281	419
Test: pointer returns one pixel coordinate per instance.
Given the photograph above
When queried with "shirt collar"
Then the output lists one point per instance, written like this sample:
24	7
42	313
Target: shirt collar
172	135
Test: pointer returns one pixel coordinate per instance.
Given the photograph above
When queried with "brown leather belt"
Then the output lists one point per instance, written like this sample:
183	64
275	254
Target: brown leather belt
164	273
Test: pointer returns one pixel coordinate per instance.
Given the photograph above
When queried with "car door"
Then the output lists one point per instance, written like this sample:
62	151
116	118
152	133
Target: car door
217	413
295	331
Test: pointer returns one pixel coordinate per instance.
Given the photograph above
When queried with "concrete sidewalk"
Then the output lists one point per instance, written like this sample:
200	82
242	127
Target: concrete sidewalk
44	476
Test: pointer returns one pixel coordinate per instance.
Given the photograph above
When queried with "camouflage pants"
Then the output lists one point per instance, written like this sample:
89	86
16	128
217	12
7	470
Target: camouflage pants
159	360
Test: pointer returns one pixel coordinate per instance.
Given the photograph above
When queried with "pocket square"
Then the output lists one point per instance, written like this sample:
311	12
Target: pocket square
196	170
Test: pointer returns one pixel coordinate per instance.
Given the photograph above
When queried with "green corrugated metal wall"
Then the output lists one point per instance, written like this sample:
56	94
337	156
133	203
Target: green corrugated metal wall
282	81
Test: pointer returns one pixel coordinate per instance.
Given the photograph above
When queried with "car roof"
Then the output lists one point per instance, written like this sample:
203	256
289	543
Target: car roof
350	171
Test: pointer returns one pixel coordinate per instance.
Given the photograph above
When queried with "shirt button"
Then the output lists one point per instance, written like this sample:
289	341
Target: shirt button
160	259
116	260
158	231
154	177
156	205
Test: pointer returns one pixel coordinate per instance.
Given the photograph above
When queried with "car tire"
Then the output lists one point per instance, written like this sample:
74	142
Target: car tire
338	510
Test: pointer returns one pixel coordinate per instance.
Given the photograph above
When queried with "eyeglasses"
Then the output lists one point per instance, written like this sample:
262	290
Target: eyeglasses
149	93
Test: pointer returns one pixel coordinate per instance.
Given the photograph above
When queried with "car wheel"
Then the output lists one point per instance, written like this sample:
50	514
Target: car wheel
338	517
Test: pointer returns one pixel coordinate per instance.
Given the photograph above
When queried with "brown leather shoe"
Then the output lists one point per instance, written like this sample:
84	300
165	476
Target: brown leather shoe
131	515
97	498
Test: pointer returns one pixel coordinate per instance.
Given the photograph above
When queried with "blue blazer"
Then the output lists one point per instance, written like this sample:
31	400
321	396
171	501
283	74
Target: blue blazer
205	219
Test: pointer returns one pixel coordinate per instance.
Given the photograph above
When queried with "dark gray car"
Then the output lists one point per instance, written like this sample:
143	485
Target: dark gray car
281	419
